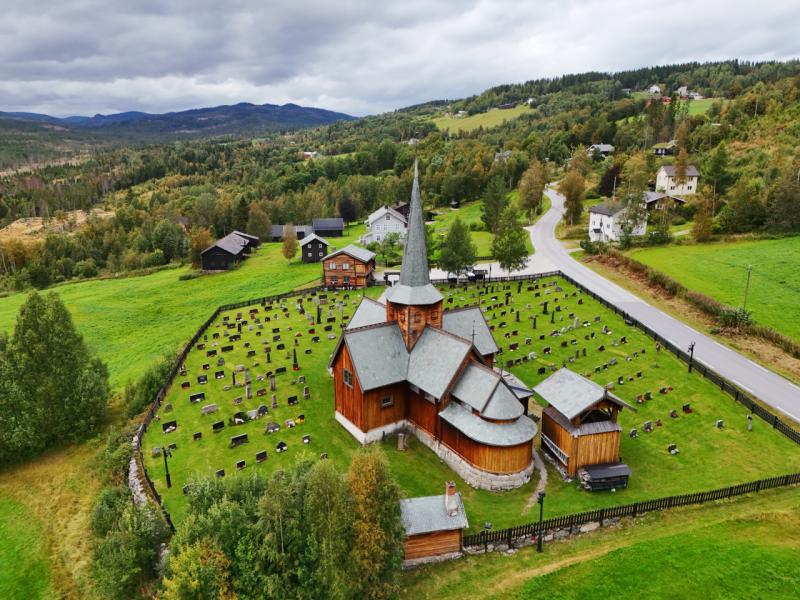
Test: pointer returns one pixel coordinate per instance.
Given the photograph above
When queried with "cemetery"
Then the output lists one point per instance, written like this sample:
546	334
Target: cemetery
678	432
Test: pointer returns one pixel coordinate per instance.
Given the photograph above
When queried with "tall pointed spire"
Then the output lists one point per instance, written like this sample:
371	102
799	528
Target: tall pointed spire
414	271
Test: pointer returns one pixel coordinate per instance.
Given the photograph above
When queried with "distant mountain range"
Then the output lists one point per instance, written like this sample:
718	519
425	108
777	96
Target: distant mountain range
237	119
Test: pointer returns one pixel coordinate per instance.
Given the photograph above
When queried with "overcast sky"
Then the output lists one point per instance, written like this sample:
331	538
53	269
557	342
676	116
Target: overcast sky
66	57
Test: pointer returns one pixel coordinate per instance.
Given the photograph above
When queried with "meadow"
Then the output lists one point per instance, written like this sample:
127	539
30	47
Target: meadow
774	282
487	120
708	458
741	549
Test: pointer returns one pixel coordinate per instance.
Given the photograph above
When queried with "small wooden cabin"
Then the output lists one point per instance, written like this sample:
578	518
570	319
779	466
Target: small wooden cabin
579	425
225	253
350	267
434	526
313	248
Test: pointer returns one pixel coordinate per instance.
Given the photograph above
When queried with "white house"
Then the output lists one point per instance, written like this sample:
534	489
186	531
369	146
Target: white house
603	149
655	90
605	223
666	181
382	222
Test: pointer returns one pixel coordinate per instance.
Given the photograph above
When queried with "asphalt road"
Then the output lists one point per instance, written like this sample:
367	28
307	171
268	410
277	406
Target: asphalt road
550	255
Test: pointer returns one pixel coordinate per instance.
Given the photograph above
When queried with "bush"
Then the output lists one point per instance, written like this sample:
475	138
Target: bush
188	276
139	395
108	509
153	259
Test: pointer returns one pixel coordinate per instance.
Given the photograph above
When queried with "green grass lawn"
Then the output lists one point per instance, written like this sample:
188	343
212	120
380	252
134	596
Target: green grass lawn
470	214
487	120
132	321
774	283
747	548
23	560
709	457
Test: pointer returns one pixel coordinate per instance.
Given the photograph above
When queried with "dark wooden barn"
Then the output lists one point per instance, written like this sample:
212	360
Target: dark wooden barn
225	253
332	227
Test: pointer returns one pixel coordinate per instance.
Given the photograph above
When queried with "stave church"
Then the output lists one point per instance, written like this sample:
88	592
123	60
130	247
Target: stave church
403	364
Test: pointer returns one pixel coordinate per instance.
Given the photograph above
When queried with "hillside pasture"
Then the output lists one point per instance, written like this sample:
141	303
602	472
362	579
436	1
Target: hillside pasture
491	118
774	282
709	457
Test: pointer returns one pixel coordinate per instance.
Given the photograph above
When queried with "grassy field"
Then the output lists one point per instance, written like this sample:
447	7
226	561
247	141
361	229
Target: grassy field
774	283
470	213
487	120
21	545
747	548
708	457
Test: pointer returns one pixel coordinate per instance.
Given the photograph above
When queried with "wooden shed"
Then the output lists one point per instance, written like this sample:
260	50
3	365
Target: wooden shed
434	526
579	425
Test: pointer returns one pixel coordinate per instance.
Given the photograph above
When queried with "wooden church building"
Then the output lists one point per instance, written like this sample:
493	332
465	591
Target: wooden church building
404	364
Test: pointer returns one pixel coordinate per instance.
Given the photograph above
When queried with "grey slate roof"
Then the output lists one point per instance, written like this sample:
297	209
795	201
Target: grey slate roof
300	230
584	428
428	514
369	312
571	394
414	271
691	171
435	360
484	390
650	197
231	243
361	254
247	236
417	295
460	322
608	209
485	432
608	470
311	237
379	355
520	389
329	223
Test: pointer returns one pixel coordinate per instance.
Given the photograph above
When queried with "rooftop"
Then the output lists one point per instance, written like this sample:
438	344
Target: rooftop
463	321
486	432
311	237
691	171
369	312
357	252
571	393
608	209
428	514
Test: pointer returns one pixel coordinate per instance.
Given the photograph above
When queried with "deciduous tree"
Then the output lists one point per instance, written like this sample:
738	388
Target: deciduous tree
290	244
573	187
531	188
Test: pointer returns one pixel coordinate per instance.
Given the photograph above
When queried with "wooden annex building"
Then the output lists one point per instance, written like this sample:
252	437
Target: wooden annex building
433	526
350	267
228	251
403	363
313	248
579	425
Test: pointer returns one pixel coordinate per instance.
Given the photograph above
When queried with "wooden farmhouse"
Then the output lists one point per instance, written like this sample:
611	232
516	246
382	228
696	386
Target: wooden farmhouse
434	526
404	364
313	248
350	267
228	251
579	425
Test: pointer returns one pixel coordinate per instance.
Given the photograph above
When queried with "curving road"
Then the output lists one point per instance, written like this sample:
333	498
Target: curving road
550	255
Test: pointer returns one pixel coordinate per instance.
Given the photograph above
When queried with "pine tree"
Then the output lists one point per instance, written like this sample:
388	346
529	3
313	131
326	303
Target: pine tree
509	245
458	251
241	214
494	201
290	244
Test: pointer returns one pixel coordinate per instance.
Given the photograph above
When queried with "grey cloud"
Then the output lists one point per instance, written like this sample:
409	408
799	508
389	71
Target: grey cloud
87	56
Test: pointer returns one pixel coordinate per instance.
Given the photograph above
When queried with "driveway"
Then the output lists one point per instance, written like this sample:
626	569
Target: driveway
550	255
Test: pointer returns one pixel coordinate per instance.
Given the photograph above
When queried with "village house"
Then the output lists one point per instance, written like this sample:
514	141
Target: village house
667	180
655	90
350	267
579	424
660	200
665	148
382	222
601	149
606	222
405	364
313	248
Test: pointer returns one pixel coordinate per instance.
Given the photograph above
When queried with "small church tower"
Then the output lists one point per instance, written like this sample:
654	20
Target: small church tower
413	302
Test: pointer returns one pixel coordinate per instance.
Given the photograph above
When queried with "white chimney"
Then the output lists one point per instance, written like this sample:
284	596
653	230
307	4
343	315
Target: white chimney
450	501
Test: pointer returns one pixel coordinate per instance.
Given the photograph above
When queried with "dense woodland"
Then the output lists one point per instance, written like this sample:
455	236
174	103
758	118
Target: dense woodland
745	146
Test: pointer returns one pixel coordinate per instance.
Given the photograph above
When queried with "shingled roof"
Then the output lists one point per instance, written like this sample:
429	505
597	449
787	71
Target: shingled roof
233	243
463	322
691	171
571	394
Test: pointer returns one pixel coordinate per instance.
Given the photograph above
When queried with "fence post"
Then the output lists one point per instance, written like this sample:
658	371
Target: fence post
485	543
758	485
635	509
509	538
602	515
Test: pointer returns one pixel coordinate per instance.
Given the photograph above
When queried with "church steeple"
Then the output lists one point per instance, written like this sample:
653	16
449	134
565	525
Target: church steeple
413	302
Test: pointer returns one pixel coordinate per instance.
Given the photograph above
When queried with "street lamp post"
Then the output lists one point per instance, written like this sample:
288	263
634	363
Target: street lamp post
747	286
691	356
540	537
166	466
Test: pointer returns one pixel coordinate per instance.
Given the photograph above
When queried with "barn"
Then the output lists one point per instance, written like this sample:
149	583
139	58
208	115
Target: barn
313	248
433	526
331	227
579	425
225	253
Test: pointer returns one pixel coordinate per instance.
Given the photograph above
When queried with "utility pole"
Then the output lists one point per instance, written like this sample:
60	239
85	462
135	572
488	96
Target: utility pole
747	286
